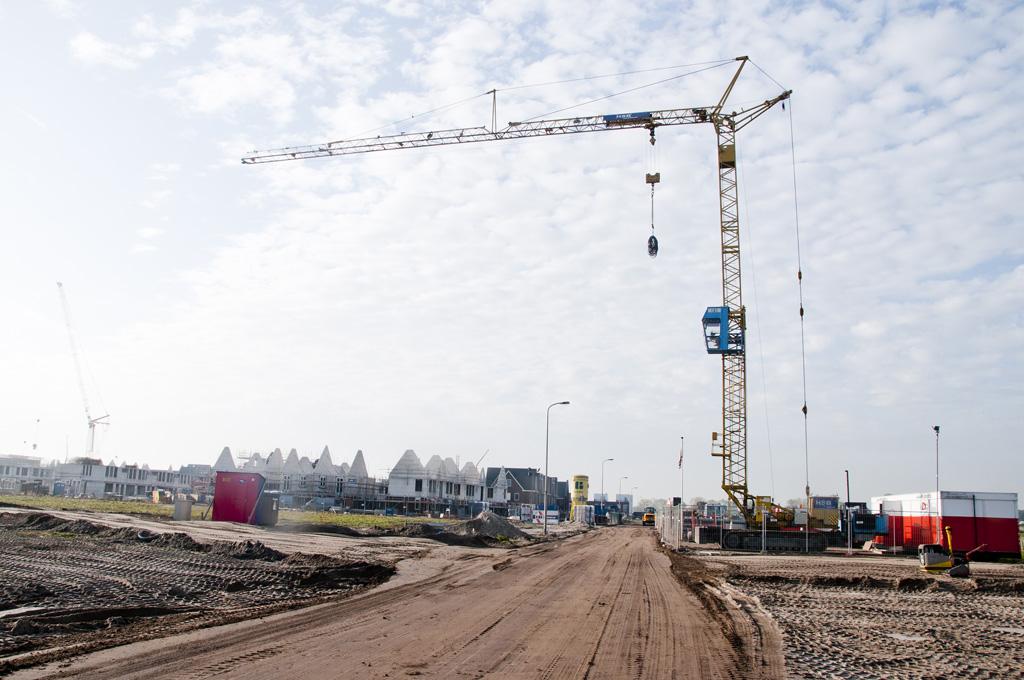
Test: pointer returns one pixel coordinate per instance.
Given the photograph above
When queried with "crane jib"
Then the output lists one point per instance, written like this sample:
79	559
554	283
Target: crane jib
627	118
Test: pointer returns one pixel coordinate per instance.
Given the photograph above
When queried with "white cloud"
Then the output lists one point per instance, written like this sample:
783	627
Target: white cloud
90	49
156	199
149	232
63	9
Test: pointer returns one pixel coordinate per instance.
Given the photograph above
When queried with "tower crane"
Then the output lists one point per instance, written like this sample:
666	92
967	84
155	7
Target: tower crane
724	325
93	422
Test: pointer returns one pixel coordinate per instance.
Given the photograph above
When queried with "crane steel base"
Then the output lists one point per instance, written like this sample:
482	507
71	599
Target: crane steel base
778	541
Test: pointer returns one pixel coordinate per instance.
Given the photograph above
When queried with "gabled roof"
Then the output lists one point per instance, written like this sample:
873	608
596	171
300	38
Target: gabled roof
451	468
497	478
343	469
358	468
305	466
528	479
256	463
408	466
323	465
291	463
434	466
470	474
275	461
225	463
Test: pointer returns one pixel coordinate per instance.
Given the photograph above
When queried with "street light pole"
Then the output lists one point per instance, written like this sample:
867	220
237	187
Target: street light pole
849	514
604	498
938	519
682	501
547	432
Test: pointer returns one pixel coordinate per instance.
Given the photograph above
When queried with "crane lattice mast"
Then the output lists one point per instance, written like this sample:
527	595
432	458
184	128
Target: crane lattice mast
93	422
725	328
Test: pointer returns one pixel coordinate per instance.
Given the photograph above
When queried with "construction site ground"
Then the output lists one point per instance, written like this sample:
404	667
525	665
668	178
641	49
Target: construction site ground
598	604
81	595
871	616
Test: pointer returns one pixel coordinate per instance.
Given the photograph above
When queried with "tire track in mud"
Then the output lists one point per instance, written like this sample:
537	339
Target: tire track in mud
880	618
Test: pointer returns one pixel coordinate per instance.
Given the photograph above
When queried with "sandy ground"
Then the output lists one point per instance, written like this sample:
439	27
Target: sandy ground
76	585
604	604
384	549
882	617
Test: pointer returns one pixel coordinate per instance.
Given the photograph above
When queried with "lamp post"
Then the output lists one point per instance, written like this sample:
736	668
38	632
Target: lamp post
682	502
938	519
849	514
605	498
547	432
620	484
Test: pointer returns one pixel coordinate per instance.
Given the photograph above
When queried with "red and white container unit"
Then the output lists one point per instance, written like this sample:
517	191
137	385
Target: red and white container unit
975	518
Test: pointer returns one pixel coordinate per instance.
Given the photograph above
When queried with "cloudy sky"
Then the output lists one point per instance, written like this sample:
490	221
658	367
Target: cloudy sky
440	299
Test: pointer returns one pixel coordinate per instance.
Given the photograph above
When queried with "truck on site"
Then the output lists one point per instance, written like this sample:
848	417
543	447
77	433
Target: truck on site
649	516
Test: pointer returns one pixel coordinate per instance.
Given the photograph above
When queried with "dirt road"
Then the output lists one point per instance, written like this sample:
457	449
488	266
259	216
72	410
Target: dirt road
600	605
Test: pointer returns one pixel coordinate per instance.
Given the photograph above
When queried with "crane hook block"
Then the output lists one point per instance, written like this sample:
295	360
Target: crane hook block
653	177
652	246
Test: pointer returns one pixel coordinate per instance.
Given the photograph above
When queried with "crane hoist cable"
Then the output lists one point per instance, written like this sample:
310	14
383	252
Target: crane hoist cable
800	288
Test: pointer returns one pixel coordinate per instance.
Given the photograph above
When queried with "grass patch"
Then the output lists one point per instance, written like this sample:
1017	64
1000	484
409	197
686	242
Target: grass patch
144	509
97	505
354	521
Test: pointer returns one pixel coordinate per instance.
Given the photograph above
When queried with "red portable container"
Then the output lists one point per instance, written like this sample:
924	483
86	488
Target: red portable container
975	518
235	496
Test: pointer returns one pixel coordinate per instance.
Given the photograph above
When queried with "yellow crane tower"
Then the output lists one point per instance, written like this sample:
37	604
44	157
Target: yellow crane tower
724	325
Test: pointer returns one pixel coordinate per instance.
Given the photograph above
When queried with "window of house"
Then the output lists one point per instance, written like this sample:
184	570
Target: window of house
419	485
515	496
469	490
432	485
458	489
490	492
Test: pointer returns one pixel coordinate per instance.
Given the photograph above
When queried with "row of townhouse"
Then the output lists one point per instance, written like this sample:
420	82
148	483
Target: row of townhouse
25	473
440	485
92	477
300	480
514	491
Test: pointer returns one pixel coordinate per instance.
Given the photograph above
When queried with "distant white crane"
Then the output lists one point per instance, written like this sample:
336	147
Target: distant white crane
93	422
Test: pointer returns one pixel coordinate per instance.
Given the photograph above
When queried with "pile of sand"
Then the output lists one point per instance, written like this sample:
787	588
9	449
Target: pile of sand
489	525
